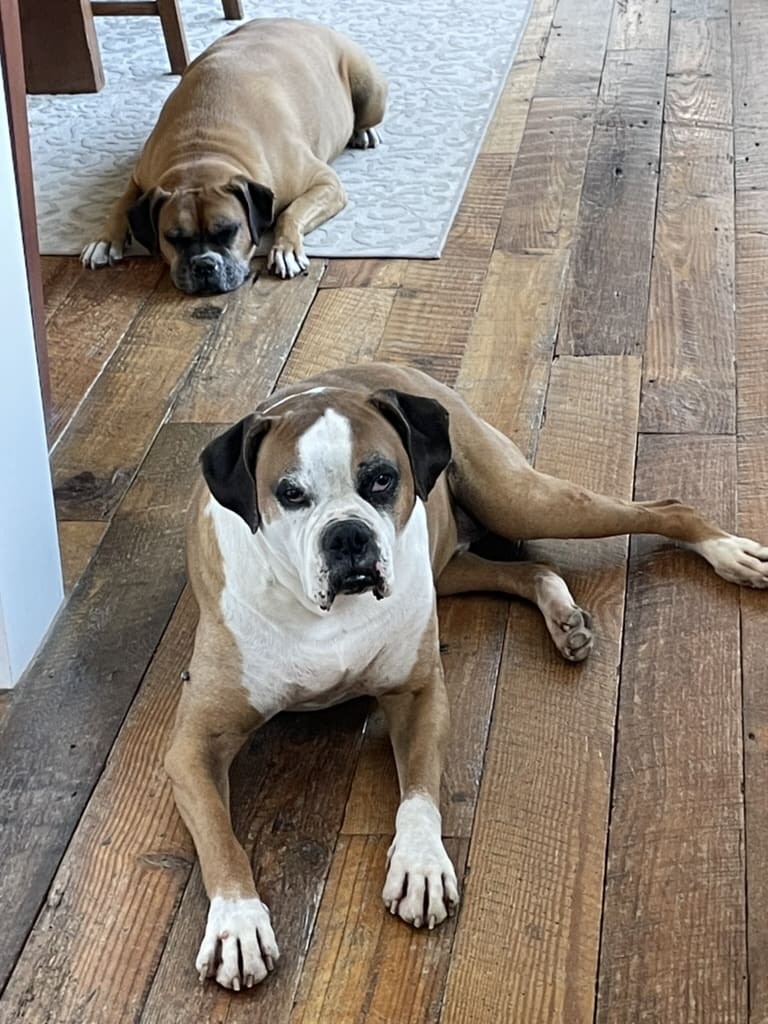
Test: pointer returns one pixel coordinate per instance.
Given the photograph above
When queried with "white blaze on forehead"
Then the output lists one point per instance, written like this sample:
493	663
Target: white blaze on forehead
325	455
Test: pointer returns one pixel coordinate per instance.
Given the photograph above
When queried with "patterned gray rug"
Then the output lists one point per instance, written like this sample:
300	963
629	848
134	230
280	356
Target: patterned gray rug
446	62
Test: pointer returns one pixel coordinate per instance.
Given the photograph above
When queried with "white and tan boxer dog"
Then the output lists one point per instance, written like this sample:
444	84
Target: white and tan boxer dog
329	521
247	135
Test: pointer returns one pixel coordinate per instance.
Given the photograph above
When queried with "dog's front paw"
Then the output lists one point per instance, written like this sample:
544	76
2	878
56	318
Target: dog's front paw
421	885
102	253
287	260
239	947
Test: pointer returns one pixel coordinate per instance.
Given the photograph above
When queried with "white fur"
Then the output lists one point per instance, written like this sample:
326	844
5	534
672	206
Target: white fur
237	929
736	559
101	254
421	885
294	654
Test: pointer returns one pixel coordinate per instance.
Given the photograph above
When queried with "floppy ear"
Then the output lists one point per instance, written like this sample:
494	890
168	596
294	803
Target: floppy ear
143	215
422	424
228	467
259	204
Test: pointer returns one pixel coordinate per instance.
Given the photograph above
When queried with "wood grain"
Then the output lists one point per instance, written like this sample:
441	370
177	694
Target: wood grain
604	310
77	545
344	326
364	273
505	131
88	324
245	354
699	72
749	27
124	871
639	25
364	964
575	50
752	312
527	944
673	946
80	685
752	448
543	199
751	522
515	327
95	461
688	377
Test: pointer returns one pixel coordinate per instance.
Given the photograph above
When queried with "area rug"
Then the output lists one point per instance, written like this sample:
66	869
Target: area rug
445	60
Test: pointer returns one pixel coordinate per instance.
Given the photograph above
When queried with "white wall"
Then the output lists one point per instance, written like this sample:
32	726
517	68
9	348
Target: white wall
30	570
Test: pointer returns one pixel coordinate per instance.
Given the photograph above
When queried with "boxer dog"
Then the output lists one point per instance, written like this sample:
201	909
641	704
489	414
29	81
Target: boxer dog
328	522
247	135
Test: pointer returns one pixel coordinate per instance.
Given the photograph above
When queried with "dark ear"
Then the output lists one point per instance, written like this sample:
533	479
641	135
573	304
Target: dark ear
259	204
228	467
143	215
422	424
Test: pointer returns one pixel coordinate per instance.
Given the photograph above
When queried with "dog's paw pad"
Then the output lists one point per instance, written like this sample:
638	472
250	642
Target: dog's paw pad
239	947
572	633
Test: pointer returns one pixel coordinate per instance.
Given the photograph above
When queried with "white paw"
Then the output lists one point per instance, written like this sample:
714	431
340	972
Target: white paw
569	626
239	947
101	254
364	138
287	261
421	885
736	559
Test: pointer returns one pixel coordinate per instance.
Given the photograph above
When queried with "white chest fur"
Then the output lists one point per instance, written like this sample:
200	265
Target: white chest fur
296	656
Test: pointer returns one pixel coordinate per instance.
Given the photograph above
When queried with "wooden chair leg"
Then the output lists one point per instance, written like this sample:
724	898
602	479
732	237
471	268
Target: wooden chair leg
233	9
173	30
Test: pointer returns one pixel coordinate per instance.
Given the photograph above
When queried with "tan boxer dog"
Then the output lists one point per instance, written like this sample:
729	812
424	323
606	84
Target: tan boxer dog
247	135
328	522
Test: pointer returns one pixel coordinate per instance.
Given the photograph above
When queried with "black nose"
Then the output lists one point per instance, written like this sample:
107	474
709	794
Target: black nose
205	262
347	544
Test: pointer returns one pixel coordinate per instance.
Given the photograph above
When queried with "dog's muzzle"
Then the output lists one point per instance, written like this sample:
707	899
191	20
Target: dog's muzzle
210	272
351	553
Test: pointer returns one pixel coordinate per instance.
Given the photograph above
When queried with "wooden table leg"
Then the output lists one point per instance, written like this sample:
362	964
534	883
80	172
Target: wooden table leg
233	9
71	63
173	30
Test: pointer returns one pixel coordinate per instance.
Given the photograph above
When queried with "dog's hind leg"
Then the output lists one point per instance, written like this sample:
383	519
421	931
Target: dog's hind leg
494	483
368	89
569	626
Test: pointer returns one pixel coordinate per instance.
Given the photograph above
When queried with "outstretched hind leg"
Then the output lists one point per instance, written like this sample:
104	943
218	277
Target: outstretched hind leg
569	626
498	488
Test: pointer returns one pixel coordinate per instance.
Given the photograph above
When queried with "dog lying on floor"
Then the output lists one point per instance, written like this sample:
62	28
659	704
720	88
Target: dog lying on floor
247	134
327	523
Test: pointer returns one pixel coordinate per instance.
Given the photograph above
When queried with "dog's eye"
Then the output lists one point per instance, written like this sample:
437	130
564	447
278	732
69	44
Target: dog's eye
291	496
383	482
225	235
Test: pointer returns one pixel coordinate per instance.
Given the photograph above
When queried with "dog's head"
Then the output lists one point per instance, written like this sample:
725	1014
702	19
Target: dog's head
330	481
206	234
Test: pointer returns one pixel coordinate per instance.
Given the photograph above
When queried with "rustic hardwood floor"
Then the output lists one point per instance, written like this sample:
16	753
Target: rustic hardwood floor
602	299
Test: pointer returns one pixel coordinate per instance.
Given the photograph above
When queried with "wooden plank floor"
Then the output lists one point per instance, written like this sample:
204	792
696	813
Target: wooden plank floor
608	821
